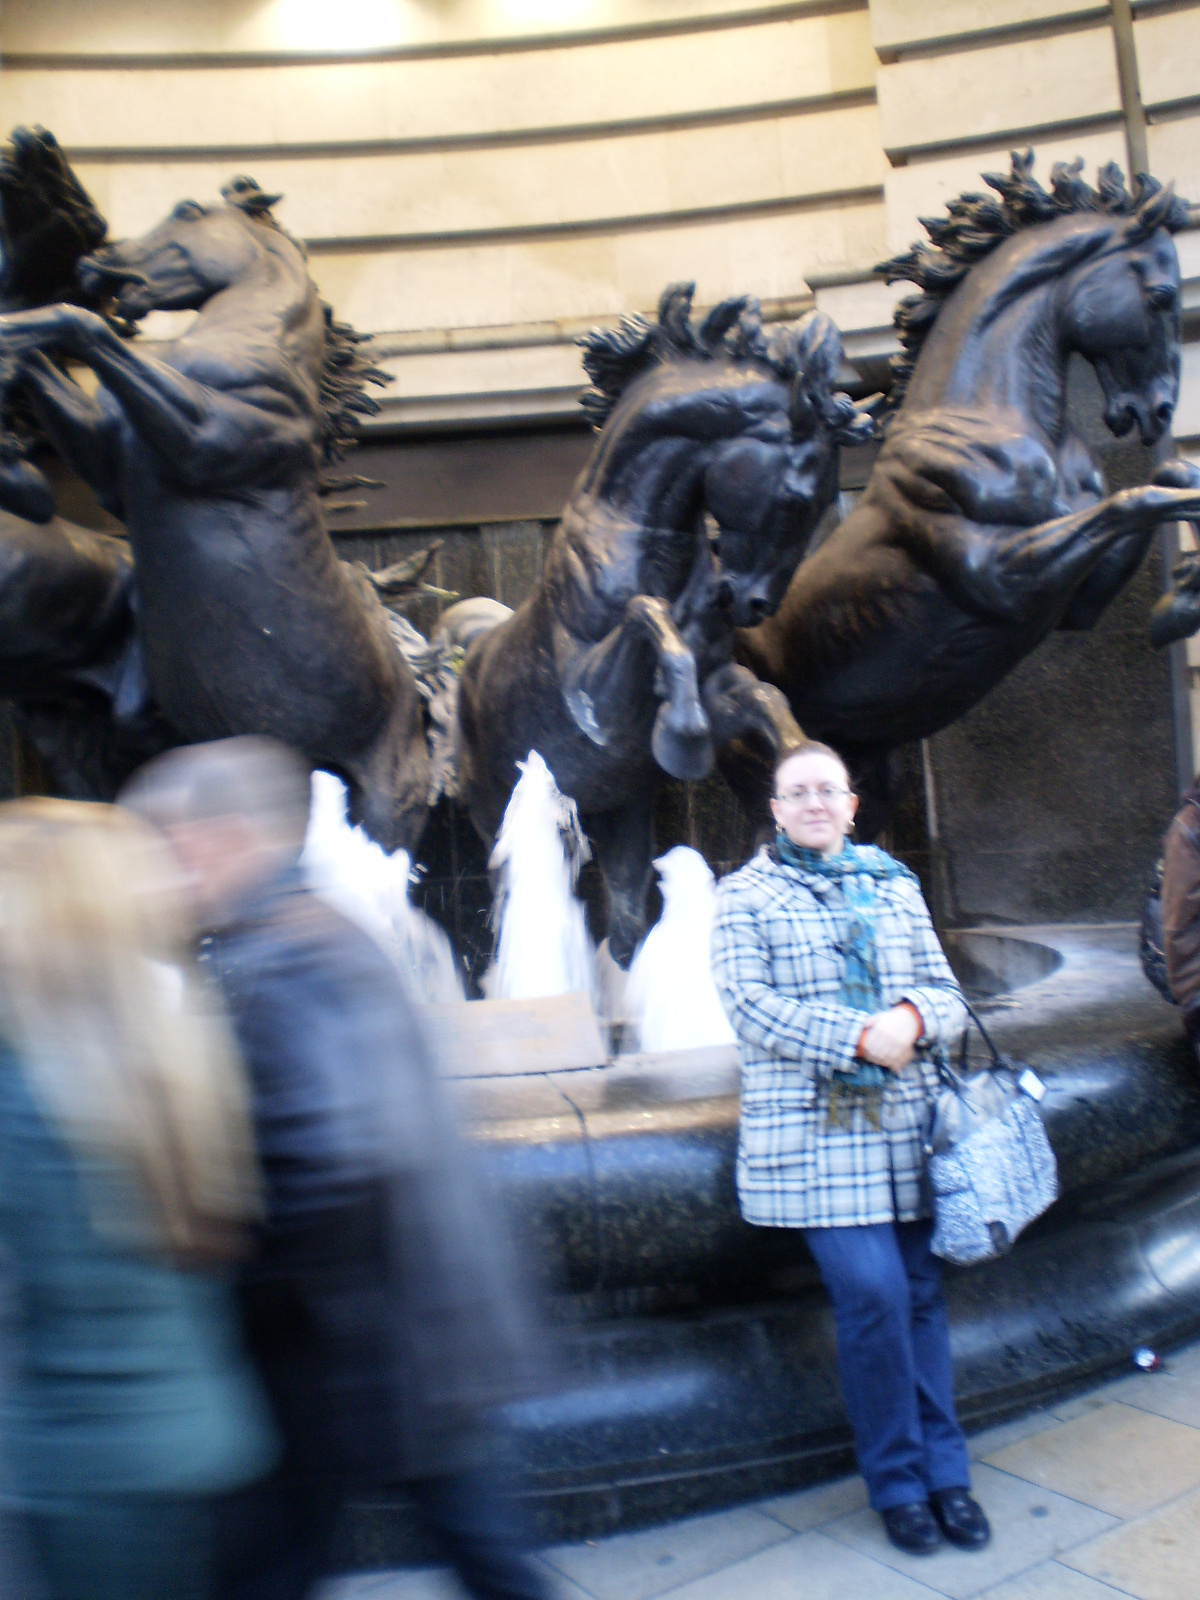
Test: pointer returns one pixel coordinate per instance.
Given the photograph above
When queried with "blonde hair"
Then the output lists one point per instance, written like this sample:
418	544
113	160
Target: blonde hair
119	1040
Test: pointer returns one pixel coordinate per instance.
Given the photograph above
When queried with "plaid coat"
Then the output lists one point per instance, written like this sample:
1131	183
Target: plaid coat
778	966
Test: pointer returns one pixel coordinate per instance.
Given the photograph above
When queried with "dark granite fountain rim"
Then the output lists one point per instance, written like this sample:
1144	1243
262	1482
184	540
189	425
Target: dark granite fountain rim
1069	982
1076	972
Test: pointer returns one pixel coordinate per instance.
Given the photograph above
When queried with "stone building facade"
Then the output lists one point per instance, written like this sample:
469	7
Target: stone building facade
478	181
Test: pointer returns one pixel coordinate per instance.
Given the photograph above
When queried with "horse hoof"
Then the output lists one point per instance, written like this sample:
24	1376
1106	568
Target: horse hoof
1175	617
622	945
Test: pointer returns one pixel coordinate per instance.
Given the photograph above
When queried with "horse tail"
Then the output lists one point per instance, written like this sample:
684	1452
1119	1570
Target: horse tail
439	674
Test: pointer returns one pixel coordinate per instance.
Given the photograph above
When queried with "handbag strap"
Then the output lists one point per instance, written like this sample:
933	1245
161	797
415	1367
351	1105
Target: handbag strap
997	1059
953	1077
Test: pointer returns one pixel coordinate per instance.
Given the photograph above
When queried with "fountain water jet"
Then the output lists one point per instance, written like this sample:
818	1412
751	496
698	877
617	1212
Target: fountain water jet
364	883
542	944
671	1002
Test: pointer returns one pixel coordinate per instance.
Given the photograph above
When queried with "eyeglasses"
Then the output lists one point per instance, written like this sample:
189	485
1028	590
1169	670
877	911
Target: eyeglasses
826	793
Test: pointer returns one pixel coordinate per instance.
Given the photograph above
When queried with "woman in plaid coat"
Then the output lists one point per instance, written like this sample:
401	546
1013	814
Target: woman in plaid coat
835	983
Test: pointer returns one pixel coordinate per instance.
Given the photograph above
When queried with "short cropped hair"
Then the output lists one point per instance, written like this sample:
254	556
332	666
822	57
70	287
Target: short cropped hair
807	747
261	780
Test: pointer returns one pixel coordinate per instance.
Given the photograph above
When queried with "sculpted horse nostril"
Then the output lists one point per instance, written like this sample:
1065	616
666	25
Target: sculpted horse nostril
1120	416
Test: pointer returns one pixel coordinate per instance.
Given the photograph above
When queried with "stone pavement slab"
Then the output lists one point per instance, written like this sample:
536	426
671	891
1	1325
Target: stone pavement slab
809	1508
1174	1392
422	1583
1155	1558
1120	1459
810	1566
1096	1499
1051	1581
983	1444
639	1566
1031	1524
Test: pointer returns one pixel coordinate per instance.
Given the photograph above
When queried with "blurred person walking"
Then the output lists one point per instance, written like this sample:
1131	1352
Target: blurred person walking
1180	906
127	1180
379	1306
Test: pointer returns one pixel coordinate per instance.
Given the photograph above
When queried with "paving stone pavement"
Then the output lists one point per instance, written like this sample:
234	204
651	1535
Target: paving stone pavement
1096	1499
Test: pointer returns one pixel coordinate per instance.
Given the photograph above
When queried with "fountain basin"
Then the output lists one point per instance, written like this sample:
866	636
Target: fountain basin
990	963
696	1354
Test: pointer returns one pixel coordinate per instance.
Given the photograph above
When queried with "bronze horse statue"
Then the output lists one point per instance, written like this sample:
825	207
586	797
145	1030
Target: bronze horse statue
244	618
66	612
717	455
985	523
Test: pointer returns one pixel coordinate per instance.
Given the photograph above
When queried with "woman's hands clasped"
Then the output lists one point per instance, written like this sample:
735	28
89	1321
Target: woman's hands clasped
890	1038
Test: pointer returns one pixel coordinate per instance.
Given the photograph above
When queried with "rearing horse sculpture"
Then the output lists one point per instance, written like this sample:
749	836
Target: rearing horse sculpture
716	458
985	523
246	620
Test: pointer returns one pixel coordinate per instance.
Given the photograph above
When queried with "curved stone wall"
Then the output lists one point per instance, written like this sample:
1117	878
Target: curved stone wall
481	180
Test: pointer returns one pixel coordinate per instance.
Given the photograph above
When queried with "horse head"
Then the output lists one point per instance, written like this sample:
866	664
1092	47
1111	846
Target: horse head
1121	311
200	251
47	221
1105	268
192	255
726	428
766	488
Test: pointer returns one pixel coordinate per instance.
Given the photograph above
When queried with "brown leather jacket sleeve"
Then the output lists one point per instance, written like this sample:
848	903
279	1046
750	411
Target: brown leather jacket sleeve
1181	907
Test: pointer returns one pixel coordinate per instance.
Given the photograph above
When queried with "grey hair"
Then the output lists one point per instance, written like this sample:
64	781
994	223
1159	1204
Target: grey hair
261	780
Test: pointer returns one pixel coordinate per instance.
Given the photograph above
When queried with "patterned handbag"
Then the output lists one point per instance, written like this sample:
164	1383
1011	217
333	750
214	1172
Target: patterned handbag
988	1163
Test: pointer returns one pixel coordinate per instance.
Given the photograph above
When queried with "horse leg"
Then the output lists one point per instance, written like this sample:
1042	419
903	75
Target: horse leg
623	841
74	422
206	438
1177	614
603	684
1106	580
752	725
389	780
1005	578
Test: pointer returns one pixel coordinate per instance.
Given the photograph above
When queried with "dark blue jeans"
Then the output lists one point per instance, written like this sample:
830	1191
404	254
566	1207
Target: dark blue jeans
894	1357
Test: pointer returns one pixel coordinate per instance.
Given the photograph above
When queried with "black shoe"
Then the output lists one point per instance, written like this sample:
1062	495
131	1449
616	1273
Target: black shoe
961	1518
911	1527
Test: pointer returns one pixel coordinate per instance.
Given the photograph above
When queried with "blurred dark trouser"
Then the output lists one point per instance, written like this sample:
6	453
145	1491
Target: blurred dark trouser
124	1547
17	1579
481	1535
276	1538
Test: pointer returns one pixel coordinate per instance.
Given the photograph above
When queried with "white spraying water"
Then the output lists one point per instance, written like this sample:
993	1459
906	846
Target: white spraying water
364	883
671	1001
543	946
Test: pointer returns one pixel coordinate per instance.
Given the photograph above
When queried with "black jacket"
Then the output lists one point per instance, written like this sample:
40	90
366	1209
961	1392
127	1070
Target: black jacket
380	1305
1181	908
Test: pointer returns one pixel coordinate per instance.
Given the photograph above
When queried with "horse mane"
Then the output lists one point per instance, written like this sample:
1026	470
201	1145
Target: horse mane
343	396
346	370
976	224
614	358
47	221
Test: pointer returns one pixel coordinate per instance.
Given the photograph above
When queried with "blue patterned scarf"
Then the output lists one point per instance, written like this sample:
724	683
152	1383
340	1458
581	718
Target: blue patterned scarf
856	869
